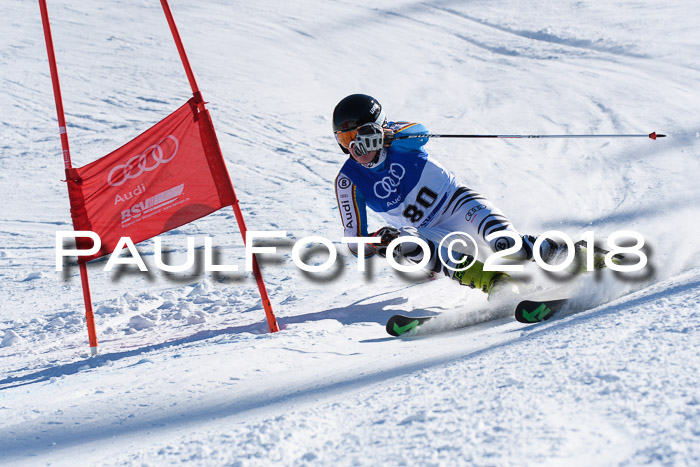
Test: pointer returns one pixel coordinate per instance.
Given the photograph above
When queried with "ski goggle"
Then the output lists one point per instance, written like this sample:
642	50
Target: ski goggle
345	137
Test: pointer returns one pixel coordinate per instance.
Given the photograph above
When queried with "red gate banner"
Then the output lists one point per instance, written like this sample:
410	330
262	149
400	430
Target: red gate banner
166	177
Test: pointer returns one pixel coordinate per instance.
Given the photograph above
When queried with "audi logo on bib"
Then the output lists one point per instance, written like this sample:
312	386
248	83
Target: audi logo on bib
387	185
148	160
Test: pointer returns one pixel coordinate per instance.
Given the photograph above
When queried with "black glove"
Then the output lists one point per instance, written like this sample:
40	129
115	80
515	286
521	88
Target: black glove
386	235
370	137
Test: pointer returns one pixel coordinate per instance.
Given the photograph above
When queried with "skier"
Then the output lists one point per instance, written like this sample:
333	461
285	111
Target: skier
416	195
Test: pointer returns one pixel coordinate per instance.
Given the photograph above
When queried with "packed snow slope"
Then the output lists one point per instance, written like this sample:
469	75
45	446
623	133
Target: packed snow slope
186	370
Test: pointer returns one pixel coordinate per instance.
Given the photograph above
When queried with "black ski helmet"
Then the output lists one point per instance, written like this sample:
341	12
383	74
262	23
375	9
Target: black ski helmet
354	111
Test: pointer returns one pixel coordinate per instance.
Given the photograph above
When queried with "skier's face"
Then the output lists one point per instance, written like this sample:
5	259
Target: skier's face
366	159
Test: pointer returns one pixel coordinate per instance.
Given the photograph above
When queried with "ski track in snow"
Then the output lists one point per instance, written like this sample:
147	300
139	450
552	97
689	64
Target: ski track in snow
187	372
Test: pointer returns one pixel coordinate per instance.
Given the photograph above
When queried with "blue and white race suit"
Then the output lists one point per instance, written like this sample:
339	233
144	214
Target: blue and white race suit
416	194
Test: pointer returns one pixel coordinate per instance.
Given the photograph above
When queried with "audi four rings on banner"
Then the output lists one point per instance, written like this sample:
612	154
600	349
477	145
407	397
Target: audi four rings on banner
156	153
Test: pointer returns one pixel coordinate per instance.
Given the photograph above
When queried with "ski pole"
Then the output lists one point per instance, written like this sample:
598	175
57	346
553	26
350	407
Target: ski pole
653	135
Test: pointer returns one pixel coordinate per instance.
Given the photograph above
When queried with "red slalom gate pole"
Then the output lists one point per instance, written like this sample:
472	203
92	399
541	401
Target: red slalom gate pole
267	305
181	49
89	315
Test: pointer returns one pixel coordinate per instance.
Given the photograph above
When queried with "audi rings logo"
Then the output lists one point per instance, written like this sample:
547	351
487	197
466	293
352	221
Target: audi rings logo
387	185
148	160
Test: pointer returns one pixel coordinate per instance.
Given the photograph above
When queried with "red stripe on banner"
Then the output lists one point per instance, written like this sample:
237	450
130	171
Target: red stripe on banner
215	159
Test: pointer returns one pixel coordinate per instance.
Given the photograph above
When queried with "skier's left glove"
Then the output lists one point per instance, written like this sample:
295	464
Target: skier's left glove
370	137
386	235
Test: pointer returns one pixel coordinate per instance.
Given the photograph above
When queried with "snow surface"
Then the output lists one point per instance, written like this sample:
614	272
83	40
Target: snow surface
186	370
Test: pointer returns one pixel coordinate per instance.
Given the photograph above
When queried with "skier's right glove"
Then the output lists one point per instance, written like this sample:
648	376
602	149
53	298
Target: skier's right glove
370	137
388	137
386	235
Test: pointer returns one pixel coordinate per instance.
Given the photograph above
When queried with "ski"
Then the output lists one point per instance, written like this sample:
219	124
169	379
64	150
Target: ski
527	311
399	325
534	311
